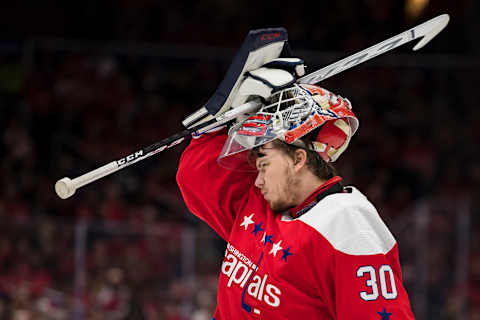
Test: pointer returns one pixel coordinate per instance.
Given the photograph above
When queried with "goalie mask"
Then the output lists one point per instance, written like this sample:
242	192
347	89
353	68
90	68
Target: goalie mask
292	113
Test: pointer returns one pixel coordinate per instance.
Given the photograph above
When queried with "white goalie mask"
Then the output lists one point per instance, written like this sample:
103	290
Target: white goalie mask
290	114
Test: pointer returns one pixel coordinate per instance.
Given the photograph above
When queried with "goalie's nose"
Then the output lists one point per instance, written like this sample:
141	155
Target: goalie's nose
259	180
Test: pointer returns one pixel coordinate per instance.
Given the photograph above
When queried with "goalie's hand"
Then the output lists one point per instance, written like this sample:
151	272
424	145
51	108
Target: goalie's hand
294	65
275	75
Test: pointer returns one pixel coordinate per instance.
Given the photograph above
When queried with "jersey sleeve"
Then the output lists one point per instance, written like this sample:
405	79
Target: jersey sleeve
212	193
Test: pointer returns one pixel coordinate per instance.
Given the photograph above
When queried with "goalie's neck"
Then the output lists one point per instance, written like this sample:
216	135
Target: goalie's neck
333	185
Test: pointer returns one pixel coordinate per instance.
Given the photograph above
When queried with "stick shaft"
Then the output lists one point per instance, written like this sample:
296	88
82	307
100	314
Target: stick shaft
428	30
71	185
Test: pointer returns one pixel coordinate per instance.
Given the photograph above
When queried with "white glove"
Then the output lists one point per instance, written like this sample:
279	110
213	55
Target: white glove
275	75
259	47
294	65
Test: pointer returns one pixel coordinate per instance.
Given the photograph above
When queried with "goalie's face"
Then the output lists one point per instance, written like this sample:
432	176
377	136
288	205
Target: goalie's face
276	178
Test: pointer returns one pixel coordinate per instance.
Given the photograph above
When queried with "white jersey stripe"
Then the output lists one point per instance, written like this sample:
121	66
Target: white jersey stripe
350	223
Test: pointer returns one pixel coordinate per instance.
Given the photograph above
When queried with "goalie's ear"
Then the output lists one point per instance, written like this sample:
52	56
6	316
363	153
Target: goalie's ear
259	47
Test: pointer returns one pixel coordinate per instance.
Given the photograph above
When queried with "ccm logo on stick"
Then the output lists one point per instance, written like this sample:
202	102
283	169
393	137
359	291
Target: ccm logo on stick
130	158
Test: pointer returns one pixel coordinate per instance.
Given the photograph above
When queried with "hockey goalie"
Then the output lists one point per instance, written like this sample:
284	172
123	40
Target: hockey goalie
301	244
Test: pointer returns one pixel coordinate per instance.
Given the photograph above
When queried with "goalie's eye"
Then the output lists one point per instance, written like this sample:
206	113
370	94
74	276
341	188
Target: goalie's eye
262	166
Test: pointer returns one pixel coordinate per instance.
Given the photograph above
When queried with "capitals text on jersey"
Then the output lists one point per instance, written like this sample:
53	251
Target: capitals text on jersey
238	269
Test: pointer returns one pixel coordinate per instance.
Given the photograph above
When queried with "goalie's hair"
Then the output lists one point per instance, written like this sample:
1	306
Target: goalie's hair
319	167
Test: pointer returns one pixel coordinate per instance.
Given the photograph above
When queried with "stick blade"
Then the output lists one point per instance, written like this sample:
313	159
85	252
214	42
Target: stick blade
431	28
427	31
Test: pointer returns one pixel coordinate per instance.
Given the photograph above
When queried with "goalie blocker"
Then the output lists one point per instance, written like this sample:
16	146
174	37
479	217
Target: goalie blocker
259	47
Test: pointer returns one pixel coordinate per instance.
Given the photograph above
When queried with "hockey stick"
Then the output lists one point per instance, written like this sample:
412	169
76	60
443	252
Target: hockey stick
66	187
428	30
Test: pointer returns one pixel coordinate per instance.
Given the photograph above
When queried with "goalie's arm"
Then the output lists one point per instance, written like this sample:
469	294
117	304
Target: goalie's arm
212	193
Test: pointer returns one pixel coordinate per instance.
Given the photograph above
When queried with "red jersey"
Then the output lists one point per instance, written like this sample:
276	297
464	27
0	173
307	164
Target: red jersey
336	260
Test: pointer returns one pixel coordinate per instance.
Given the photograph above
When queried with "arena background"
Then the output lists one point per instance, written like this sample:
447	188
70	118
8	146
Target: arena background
84	83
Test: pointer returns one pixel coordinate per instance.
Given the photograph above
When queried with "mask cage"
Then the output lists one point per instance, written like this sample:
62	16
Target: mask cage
288	108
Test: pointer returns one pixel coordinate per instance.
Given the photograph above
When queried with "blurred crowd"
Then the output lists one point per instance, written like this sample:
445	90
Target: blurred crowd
132	275
75	112
66	112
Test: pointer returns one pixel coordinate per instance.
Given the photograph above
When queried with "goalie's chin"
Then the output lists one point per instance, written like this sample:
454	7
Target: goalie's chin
278	206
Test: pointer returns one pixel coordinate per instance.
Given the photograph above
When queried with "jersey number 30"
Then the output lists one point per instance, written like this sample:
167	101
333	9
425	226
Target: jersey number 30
385	274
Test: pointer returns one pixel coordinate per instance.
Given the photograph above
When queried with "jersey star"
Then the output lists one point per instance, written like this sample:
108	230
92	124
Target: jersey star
258	227
384	314
247	220
286	253
275	248
266	239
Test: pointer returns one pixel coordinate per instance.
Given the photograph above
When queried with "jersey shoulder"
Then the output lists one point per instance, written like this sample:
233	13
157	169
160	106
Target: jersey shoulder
350	223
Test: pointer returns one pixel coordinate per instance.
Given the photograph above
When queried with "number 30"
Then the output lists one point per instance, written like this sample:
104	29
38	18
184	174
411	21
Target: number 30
372	282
